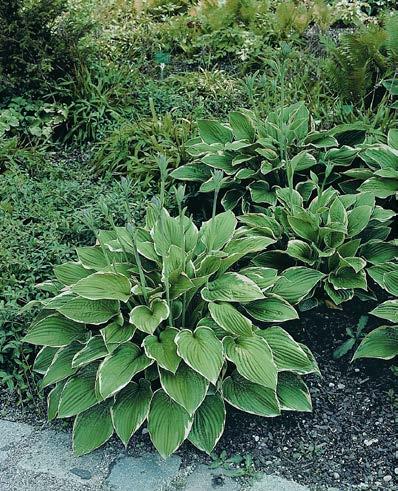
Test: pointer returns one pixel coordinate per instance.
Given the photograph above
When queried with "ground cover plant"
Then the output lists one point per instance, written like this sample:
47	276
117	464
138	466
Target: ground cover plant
212	184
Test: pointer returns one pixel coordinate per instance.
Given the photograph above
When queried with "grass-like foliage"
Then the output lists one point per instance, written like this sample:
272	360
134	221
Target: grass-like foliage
161	323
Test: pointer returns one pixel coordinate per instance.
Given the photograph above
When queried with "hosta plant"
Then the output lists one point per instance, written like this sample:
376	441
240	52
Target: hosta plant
382	342
329	242
256	156
153	324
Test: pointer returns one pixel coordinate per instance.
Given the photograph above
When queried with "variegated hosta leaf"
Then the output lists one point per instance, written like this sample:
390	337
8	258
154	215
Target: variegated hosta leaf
163	349
115	334
232	287
273	308
79	393
379	343
44	359
208	423
347	278
55	331
92	428
90	311
292	393
390	280
70	273
119	368
287	354
250	397
61	366
230	319
93	350
297	282
53	399
202	351
298	249
186	386
253	359
387	310
168	423
131	408
358	219
263	277
147	319
103	286
218	231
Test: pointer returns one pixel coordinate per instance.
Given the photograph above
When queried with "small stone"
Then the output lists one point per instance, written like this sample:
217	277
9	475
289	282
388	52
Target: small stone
256	438
396	455
144	431
331	384
336	475
340	386
83	473
396	470
387	478
370	442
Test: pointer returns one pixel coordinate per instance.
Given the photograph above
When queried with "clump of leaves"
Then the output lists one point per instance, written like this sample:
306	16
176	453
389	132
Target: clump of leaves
152	324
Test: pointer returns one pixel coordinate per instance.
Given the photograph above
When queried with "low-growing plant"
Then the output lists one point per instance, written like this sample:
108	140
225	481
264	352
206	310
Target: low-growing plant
354	336
154	323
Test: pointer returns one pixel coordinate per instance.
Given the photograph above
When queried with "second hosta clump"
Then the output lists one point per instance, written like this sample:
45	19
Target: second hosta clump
152	324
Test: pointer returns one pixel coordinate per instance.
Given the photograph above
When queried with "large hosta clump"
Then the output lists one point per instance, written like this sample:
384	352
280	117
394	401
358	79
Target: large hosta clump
152	324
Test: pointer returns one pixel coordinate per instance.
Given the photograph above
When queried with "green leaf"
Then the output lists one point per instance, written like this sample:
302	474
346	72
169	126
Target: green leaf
379	343
358	220
208	423
302	251
218	231
131	408
115	334
379	252
230	319
53	400
147	319
287	354
260	192
346	278
292	393
304	225
79	393
381	188
118	368
377	272
70	273
92	429
250	397
248	245
163	349
54	331
271	309
263	277
391	282
93	350
92	257
344	348
202	351
90	311
61	366
387	310
168	423
44	359
232	287
214	132
253	359
186	387
296	283
192	172
103	286
223	162
241	126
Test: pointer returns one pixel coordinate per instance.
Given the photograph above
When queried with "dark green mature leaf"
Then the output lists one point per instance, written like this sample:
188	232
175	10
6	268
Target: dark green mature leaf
241	126
61	366
232	287
90	311
163	349
92	428
212	131
271	309
70	273
387	310
379	343
131	408
55	331
44	359
253	358
168	423
103	286
292	393
230	319
297	282
79	393
208	423
391	282
250	397
218	231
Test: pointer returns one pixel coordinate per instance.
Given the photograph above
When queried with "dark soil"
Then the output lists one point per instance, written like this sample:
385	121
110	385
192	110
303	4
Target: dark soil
348	442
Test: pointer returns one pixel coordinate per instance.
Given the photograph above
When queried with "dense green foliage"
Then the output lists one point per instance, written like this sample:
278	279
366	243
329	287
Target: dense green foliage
281	118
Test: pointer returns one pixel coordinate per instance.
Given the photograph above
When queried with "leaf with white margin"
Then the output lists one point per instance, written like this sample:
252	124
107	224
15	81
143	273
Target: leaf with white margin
103	286
273	308
163	349
230	319
147	319
232	287
292	393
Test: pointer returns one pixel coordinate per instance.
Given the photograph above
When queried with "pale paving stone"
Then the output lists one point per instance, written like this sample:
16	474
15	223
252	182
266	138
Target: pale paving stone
147	473
51	453
276	483
11	434
205	479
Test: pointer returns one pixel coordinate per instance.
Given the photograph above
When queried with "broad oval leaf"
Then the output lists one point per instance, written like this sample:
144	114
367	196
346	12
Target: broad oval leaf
168	423
232	287
253	359
118	368
92	428
250	397
387	310
211	131
79	393
271	309
390	280
208	423
93	350
296	282
147	319
163	349
186	386
131	408
292	393
90	311
230	319
202	351
44	359
115	334
61	366
379	343
70	273
103	286
55	331
218	231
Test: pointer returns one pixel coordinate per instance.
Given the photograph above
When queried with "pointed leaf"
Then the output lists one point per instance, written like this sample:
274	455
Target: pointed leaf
103	286
232	287
147	319
54	331
90	311
230	319
292	393
163	349
271	309
92	428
